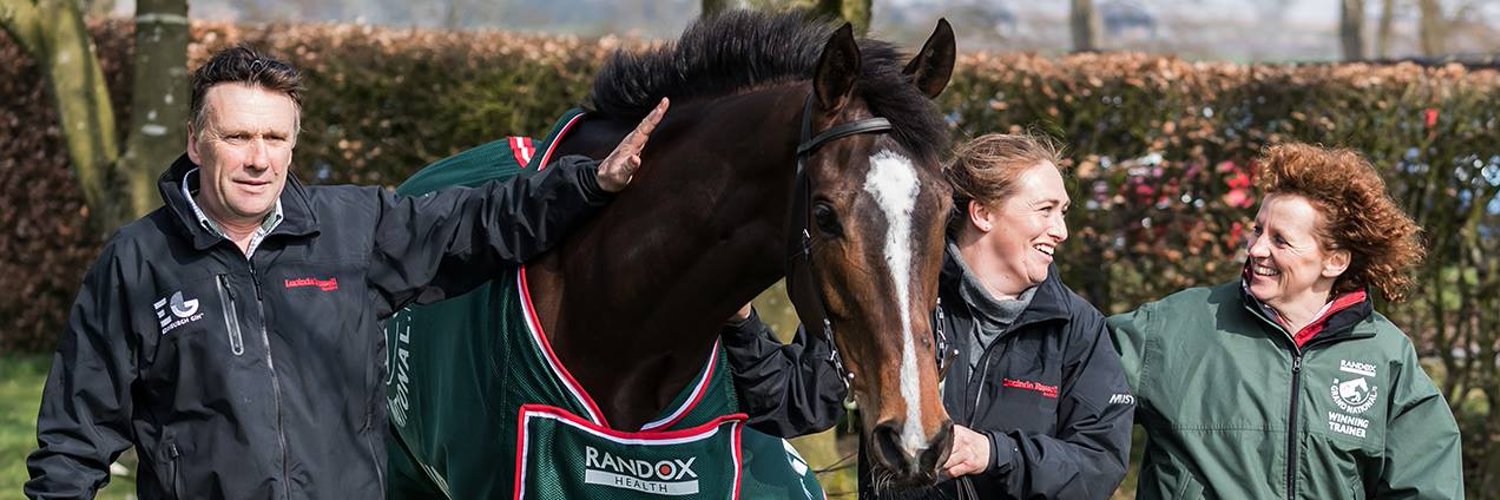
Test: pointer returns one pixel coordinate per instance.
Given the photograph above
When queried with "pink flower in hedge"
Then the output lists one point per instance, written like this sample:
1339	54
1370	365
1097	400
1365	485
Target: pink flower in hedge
1236	233
1238	198
1429	117
1237	180
1144	190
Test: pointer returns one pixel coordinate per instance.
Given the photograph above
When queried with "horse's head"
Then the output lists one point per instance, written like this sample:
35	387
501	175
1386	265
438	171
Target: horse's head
875	206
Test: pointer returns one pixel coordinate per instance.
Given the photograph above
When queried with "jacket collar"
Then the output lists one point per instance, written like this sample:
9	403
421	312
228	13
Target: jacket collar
1340	323
1048	302
299	217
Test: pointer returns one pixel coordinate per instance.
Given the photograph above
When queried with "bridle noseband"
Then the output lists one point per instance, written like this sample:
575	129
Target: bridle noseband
801	286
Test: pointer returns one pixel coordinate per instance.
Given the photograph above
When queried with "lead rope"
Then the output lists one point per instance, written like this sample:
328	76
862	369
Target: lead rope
966	489
963	484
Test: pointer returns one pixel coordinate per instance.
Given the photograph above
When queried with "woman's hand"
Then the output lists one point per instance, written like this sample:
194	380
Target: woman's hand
970	455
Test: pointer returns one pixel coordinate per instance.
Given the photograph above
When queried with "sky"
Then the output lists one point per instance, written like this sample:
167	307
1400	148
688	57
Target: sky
1236	30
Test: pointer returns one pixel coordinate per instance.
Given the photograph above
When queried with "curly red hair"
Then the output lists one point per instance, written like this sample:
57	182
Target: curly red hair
1358	215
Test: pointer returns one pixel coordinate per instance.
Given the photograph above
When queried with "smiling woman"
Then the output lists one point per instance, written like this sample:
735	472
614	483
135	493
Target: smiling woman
1037	397
1329	400
1009	205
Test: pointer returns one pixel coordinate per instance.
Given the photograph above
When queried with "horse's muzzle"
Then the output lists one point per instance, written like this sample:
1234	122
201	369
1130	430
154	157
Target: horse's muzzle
906	467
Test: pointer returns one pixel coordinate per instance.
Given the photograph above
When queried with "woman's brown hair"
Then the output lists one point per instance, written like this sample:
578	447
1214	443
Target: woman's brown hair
1358	214
986	168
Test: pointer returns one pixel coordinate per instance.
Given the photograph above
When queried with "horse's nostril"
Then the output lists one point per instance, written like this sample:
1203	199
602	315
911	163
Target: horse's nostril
937	451
887	446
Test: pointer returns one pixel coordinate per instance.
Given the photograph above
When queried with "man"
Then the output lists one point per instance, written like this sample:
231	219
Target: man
233	335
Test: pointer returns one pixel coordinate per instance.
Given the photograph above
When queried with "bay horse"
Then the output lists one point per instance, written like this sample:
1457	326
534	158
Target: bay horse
783	133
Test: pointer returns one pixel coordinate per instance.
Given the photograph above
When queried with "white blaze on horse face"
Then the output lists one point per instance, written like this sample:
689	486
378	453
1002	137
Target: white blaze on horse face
892	182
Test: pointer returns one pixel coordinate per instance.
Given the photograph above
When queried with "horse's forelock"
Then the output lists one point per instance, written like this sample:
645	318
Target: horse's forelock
740	50
919	126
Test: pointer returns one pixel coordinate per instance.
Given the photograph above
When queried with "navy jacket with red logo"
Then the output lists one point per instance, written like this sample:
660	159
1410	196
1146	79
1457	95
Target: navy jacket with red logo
264	377
1049	393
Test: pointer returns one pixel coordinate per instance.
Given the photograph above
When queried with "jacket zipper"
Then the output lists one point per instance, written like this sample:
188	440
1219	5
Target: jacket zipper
1291	435
231	316
379	458
984	372
265	337
984	363
1291	421
172	455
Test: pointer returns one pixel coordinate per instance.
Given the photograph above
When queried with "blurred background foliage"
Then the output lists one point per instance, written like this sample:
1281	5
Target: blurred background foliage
1159	149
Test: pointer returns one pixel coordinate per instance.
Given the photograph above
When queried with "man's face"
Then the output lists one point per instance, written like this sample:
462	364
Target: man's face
243	150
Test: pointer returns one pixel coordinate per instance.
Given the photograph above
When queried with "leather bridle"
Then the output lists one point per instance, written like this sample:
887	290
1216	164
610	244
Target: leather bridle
802	287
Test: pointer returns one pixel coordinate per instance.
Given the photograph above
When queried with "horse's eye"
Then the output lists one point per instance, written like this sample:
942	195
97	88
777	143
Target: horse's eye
827	221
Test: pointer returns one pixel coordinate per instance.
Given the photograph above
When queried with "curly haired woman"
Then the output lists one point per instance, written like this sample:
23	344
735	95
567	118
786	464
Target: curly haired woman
1287	383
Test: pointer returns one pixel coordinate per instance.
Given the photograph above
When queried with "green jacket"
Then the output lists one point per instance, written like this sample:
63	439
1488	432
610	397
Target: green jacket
1233	409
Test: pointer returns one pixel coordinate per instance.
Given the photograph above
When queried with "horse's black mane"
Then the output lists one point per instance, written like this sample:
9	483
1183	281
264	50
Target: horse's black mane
741	50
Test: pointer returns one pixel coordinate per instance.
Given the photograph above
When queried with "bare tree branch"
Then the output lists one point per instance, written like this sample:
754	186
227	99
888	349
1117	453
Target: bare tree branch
19	19
76	84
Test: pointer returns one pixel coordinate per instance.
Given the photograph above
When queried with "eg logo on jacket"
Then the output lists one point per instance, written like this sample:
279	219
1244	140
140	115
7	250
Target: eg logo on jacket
183	312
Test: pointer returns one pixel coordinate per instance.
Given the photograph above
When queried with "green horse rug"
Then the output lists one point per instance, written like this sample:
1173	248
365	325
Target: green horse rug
480	407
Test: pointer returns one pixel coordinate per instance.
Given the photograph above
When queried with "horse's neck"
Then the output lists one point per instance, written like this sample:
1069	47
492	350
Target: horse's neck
634	301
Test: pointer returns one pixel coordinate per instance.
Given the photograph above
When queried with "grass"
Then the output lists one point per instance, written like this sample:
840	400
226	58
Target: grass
21	381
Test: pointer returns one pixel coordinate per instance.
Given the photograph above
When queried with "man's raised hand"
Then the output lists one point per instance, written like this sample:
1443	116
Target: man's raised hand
619	167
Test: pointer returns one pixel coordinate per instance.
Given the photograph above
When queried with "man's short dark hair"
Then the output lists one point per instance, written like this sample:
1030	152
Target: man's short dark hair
242	64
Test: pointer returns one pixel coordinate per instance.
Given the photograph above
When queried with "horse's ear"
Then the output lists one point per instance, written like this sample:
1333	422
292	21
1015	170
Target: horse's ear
838	67
933	66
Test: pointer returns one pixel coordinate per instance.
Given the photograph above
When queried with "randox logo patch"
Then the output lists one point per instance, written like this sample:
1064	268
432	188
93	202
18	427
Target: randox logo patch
671	477
1353	395
183	311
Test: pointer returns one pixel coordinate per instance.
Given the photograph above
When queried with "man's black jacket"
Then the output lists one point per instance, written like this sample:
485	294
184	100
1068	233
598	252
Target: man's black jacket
1050	394
263	378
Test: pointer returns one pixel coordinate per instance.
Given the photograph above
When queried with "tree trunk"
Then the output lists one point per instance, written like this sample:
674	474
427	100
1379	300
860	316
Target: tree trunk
1432	27
711	7
831	8
1352	29
159	101
1383	35
857	12
453	15
1084	21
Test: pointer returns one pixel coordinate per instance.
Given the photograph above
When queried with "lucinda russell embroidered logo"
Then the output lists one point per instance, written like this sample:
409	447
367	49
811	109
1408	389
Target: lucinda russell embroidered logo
327	285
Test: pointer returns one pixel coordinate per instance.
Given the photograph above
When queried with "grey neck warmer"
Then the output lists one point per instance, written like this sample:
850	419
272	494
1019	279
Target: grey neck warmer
991	316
